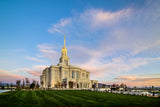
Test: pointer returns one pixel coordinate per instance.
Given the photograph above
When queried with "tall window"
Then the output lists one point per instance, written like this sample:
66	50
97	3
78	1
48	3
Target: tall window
72	74
76	75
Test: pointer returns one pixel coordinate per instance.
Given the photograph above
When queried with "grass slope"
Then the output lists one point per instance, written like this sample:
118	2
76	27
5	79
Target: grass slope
73	98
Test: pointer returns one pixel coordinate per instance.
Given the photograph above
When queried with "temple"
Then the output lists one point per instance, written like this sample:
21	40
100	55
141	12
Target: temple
64	75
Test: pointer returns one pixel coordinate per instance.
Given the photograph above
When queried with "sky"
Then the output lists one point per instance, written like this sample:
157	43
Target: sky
118	41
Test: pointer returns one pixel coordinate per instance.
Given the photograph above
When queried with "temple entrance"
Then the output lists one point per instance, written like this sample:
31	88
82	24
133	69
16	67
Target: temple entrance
65	84
70	84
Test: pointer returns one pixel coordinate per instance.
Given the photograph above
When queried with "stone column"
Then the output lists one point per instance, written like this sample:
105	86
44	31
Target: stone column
67	84
62	71
52	77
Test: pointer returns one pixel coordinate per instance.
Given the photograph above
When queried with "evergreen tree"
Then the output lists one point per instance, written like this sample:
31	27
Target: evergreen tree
27	83
18	82
23	86
33	85
7	86
11	86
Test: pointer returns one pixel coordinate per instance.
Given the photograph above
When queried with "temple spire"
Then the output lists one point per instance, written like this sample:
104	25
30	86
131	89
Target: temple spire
64	49
64	41
64	59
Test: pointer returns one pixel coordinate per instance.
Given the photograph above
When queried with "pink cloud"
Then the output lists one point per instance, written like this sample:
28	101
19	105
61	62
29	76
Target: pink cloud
138	80
93	18
5	76
48	52
126	78
34	73
2	71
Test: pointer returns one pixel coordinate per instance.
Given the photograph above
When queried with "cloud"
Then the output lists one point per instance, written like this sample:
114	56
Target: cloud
140	83
115	41
140	79
34	59
121	30
48	52
89	20
30	71
100	18
116	65
61	24
5	76
2	71
127	78
35	71
98	61
44	47
139	48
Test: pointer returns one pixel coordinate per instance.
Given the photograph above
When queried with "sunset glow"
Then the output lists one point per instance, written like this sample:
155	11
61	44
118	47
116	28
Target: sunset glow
117	42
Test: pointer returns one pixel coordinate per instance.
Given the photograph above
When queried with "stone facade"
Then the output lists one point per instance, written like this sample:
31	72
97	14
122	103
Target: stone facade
64	75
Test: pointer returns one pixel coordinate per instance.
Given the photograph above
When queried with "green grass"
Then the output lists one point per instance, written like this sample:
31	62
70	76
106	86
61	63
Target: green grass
63	98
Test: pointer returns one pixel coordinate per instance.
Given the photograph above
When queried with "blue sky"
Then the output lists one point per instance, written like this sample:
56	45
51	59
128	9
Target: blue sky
117	41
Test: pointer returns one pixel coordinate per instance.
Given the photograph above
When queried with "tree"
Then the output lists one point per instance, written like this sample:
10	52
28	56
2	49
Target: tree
37	85
122	85
33	85
7	86
125	86
18	82
27	83
11	86
58	84
135	87
114	85
2	87
23	85
103	85
117	85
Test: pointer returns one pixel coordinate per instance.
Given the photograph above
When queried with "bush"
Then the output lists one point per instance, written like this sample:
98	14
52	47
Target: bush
2	87
18	89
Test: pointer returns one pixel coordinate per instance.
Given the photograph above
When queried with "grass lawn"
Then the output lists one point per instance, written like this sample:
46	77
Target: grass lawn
64	98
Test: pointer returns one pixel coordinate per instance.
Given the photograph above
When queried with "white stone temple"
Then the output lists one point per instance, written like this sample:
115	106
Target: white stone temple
64	75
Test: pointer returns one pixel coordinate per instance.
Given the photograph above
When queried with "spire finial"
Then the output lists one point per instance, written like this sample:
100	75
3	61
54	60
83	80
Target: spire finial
64	41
